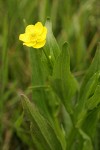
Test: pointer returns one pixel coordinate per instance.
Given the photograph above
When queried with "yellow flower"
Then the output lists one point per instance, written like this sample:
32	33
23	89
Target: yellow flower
34	36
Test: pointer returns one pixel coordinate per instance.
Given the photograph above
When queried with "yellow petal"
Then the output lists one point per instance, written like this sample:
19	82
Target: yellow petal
31	44
42	37
24	37
30	29
34	36
38	28
39	44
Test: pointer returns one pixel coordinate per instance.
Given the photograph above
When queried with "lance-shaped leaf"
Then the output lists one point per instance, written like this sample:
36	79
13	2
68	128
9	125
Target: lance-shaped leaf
63	82
39	77
87	143
88	91
51	47
88	87
94	67
94	101
90	123
43	134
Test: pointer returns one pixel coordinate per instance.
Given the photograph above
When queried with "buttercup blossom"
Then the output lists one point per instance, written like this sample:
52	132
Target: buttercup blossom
34	36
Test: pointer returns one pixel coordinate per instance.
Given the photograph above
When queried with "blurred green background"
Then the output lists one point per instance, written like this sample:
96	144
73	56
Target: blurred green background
74	21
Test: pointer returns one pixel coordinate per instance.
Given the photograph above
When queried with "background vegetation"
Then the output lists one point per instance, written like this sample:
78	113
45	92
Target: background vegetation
74	21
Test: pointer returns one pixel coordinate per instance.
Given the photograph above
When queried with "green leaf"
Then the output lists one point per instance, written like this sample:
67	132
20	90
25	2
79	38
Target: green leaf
95	67
94	100
19	121
4	71
43	133
88	87
87	144
39	79
22	133
90	123
51	47
89	90
63	82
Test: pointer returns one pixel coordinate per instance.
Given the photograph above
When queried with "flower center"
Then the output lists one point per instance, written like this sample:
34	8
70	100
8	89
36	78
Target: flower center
33	37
